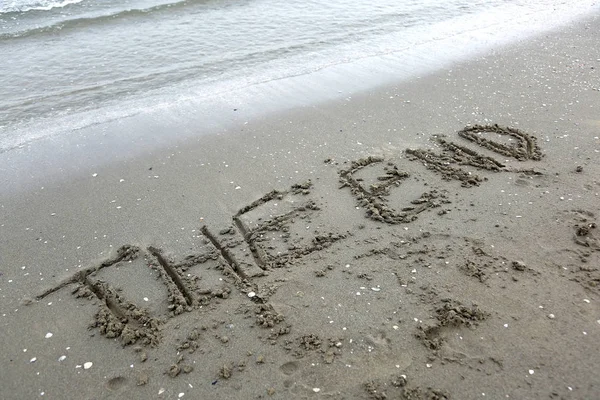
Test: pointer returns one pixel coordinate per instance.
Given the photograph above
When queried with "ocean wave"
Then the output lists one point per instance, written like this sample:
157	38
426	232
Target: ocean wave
96	19
36	5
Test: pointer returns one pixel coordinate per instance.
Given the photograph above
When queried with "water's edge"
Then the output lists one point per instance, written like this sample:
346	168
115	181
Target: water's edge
69	152
50	101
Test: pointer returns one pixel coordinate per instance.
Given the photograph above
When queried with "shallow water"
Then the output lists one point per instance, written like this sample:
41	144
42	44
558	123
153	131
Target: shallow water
73	63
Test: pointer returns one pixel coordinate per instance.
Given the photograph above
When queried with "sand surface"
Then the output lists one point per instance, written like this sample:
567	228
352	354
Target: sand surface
435	239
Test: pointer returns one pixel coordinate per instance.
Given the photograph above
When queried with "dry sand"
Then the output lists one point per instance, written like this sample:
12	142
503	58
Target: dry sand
369	248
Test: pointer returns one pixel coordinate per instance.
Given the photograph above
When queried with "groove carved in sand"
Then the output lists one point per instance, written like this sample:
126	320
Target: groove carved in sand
118	317
245	251
255	237
526	147
448	163
373	199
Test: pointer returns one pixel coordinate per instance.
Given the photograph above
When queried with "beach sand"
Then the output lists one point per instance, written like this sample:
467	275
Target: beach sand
431	239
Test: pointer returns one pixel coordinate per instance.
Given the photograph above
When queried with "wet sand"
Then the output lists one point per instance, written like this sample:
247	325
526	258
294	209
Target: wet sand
432	239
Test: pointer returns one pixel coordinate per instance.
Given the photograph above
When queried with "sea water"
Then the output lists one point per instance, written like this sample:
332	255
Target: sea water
69	64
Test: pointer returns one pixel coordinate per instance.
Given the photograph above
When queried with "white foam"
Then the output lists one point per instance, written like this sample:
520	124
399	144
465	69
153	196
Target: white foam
36	5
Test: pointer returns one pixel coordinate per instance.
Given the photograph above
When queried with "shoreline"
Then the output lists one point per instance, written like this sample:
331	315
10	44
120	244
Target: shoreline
195	114
491	288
